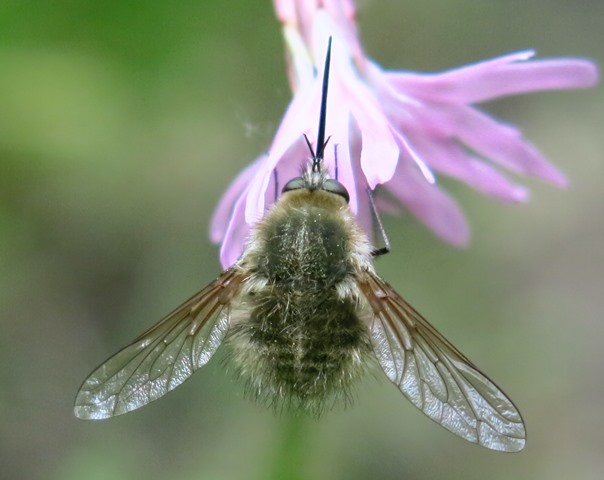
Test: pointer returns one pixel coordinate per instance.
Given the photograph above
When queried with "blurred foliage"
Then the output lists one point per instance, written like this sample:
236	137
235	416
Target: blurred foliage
120	125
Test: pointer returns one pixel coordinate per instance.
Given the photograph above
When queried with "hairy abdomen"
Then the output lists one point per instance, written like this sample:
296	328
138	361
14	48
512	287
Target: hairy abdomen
302	345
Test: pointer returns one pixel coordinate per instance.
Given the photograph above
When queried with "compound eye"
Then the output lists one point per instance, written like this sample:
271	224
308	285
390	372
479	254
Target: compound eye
294	184
333	186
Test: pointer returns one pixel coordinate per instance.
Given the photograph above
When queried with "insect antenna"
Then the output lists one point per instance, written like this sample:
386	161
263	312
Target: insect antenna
321	142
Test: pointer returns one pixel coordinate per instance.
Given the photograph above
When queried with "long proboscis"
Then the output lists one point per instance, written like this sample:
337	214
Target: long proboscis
318	157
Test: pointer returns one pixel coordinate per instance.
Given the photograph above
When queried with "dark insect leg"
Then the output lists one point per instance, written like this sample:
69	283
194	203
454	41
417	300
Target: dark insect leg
276	178
379	227
335	154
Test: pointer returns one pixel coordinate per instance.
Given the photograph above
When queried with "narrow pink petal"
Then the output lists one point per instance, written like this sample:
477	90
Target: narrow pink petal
359	187
445	85
380	152
502	144
495	141
391	90
255	195
285	10
343	8
446	156
235	236
532	77
408	150
220	219
336	18
431	205
489	80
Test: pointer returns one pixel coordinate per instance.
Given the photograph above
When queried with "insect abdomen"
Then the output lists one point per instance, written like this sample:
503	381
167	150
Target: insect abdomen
301	354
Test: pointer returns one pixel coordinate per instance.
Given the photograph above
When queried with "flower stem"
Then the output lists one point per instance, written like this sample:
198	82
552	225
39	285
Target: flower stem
291	452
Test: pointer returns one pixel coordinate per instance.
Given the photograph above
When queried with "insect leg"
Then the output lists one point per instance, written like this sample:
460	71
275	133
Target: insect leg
379	227
276	178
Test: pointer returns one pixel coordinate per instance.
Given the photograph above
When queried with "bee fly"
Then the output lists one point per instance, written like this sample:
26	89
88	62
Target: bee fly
305	313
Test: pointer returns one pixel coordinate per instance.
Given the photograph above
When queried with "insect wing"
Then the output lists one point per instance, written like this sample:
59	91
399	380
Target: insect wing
436	377
163	357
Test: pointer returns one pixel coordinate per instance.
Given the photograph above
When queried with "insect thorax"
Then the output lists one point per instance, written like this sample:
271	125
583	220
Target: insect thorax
302	344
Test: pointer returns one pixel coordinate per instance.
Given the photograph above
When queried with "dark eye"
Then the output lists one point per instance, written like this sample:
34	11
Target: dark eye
294	184
333	186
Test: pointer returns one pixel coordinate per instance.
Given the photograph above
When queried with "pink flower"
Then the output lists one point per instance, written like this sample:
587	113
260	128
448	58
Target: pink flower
395	129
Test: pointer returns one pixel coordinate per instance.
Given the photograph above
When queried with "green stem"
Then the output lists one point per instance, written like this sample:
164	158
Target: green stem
292	450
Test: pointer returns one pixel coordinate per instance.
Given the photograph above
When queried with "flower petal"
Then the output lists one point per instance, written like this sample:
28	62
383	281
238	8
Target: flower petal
431	205
497	78
380	151
446	156
226	205
235	235
503	144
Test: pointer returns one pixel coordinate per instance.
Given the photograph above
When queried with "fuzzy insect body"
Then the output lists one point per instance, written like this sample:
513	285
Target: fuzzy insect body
304	340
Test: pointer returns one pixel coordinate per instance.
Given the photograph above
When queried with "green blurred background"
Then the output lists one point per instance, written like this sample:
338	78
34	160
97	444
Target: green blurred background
120	125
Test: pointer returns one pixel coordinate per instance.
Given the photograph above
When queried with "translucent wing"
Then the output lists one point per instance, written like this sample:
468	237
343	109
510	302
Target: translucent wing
436	377
163	357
